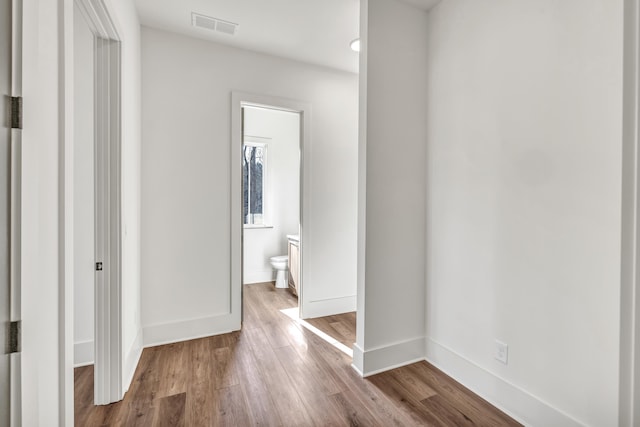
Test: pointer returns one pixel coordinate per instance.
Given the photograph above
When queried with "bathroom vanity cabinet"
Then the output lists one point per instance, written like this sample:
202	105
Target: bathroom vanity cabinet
294	265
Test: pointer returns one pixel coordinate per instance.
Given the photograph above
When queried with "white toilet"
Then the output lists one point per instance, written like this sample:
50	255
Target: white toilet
279	263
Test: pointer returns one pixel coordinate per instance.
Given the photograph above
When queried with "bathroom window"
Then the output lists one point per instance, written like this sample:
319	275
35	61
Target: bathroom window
254	170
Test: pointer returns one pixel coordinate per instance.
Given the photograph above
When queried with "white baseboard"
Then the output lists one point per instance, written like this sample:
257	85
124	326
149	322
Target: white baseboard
131	361
250	277
328	307
380	359
184	330
511	399
357	361
83	353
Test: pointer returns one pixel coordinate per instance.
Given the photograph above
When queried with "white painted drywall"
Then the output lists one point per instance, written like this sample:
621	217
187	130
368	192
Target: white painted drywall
127	20
393	146
280	131
187	85
524	184
83	215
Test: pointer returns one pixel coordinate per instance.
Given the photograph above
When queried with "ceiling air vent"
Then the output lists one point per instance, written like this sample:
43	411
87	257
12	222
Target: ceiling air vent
213	24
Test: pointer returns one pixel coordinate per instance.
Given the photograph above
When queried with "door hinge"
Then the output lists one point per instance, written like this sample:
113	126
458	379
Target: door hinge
16	112
98	266
13	344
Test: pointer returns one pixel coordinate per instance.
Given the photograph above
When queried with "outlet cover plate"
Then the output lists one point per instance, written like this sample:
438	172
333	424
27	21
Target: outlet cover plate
501	352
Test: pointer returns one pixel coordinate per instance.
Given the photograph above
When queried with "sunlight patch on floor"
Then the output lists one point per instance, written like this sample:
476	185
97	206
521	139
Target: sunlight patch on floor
292	313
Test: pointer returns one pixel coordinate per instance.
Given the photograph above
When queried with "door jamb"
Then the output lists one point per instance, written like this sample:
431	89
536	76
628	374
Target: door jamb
15	262
108	329
629	380
108	282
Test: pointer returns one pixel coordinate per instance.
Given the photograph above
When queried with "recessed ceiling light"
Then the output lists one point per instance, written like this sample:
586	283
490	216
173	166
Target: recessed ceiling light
355	45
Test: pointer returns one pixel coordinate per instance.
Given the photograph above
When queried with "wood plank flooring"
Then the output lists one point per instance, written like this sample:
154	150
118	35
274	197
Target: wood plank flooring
277	373
341	327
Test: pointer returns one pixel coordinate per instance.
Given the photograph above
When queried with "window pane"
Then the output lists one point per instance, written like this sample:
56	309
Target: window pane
253	184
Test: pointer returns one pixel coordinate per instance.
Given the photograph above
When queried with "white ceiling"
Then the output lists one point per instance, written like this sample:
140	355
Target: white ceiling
314	31
423	4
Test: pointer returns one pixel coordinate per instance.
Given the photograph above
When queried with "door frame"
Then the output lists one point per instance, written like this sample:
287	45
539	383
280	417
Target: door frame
15	263
244	99
629	380
108	364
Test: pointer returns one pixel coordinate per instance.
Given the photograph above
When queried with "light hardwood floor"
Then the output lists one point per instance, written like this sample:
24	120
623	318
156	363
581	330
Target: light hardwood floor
275	372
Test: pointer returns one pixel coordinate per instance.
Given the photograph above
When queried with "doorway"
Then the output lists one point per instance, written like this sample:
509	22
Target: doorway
84	193
92	180
271	196
337	330
245	106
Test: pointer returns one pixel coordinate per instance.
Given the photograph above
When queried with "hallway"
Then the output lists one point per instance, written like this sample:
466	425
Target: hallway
275	372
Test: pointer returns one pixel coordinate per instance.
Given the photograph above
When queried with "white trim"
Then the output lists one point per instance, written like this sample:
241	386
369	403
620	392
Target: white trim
16	165
629	380
237	223
387	357
184	330
15	251
99	18
257	138
83	353
108	336
108	328
330	306
256	226
239	100
502	394
108	317
16	48
357	361
15	361
132	359
261	276
361	260
66	219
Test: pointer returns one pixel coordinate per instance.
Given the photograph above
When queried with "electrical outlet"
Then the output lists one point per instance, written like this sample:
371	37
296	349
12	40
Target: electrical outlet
501	352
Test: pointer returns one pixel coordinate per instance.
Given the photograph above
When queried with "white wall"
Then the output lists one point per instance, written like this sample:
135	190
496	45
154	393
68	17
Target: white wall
392	142
280	131
83	215
523	185
187	89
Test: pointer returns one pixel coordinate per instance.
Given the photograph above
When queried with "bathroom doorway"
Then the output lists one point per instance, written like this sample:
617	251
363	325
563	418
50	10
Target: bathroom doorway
271	197
270	141
270	163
